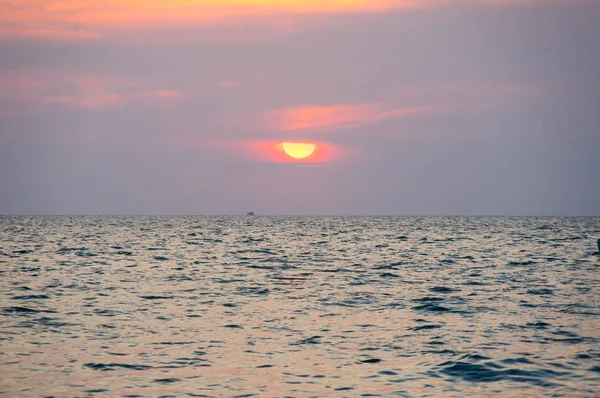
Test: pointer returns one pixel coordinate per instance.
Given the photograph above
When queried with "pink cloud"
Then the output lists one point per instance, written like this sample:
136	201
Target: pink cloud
233	83
100	101
48	32
19	87
228	83
163	94
339	117
33	91
417	101
94	19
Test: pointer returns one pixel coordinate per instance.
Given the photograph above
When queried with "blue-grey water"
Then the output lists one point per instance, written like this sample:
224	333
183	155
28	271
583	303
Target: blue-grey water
299	306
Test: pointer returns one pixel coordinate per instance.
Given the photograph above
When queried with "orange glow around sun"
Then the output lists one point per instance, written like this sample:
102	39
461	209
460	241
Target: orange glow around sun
294	152
298	150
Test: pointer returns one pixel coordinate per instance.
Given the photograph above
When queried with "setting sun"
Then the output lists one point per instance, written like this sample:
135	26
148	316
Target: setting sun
298	150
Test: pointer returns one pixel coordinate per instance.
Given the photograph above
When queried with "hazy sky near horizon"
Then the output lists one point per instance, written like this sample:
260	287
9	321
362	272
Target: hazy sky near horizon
417	107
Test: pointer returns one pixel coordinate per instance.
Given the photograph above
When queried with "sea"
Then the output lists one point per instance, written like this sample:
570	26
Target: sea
299	307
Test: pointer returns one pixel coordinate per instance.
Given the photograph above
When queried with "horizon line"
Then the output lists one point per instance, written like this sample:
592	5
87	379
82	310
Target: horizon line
297	215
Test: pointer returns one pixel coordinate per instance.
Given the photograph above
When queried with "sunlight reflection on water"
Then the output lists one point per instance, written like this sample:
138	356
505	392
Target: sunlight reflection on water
299	306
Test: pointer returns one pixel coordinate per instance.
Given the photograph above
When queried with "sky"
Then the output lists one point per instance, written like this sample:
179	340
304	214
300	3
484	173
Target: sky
415	107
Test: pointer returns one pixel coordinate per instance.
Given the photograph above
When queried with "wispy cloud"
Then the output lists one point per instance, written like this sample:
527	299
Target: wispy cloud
233	83
404	103
107	100
162	94
47	32
228	83
91	19
339	117
34	91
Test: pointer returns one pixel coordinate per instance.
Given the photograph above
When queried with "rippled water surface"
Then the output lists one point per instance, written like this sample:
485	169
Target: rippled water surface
299	306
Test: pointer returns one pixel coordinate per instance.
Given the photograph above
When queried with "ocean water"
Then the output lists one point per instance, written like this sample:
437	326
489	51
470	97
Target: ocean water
299	306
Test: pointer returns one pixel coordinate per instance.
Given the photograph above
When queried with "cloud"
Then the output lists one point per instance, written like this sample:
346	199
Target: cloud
228	83
106	100
92	19
35	91
164	94
401	104
338	117
48	32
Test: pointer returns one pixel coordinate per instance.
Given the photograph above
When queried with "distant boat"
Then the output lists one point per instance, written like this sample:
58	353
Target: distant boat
250	213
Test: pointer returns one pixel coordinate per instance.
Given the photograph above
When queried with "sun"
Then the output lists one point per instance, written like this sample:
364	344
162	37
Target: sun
298	150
